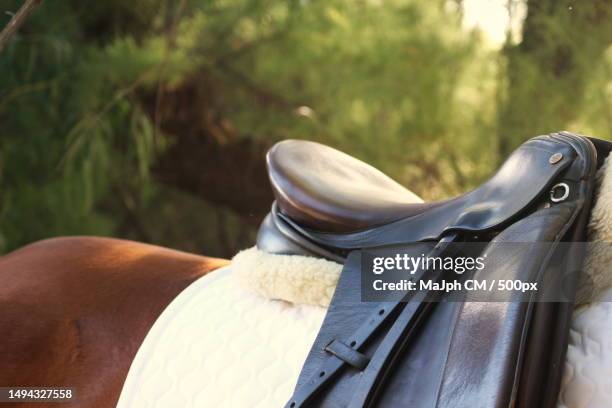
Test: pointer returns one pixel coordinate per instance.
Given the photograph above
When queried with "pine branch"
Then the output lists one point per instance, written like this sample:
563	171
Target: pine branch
17	21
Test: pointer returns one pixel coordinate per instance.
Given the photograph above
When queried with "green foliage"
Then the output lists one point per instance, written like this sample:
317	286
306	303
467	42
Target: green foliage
559	75
69	130
397	83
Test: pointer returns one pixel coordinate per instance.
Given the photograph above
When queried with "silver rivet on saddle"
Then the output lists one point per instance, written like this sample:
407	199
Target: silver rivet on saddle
555	158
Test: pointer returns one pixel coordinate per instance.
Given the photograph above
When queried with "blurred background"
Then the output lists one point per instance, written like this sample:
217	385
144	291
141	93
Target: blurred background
149	119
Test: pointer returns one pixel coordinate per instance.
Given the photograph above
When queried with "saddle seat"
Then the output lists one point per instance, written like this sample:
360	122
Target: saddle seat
338	198
337	203
327	190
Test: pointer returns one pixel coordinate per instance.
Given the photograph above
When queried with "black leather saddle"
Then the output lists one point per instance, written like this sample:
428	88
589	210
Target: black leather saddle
416	352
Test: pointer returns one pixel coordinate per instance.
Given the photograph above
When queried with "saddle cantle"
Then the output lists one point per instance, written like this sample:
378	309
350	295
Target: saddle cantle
416	352
322	188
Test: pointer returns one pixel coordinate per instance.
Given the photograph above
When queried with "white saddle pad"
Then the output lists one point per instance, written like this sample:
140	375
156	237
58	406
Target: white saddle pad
587	378
219	345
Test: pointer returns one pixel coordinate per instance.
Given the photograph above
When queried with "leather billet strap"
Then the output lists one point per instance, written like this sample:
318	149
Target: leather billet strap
410	314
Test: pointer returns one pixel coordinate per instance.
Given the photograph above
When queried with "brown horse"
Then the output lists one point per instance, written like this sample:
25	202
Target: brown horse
74	311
